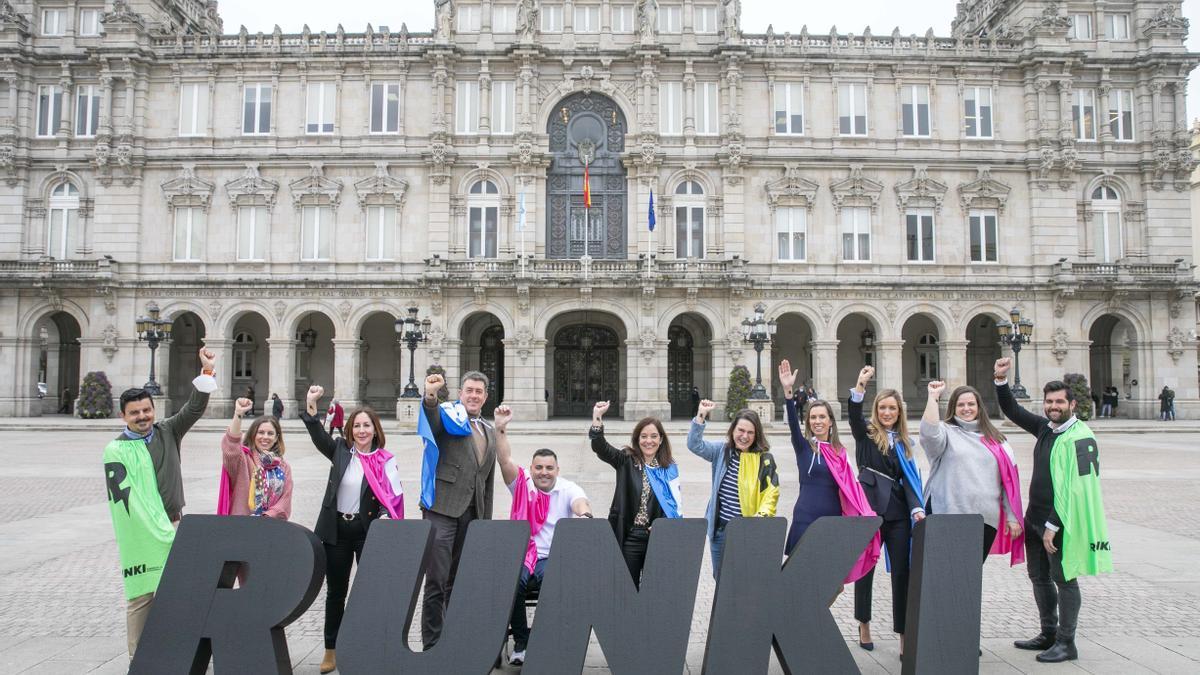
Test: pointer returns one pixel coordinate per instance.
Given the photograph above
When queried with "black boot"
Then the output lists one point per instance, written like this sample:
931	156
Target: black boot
1042	642
1063	650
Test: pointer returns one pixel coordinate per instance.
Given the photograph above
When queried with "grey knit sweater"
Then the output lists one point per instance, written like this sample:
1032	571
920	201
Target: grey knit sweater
963	476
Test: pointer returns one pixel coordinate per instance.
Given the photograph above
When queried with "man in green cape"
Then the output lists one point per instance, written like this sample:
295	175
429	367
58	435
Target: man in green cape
1065	531
145	489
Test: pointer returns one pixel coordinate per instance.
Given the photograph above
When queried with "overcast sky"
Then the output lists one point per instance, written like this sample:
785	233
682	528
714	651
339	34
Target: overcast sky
848	15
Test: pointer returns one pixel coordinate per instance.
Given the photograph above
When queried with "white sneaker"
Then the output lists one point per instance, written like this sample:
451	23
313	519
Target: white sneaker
517	658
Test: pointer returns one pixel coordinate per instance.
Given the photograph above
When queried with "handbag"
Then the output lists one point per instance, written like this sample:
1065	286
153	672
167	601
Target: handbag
878	488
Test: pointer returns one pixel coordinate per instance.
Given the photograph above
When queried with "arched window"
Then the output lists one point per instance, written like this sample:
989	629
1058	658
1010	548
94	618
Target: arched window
928	362
243	355
689	220
63	224
1107	239
483	215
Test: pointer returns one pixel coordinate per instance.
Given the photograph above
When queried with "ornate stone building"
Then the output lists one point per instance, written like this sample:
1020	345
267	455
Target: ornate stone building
888	198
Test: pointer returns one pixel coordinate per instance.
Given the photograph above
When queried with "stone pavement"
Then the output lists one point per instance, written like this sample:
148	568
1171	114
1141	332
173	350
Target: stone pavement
62	611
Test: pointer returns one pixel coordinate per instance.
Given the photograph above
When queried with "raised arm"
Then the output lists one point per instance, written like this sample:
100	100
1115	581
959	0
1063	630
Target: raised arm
933	433
316	431
709	450
854	407
204	384
231	442
607	453
787	377
433	384
1008	403
508	468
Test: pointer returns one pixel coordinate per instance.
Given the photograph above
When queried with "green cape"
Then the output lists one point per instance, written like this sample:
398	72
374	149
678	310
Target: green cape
144	532
1075	473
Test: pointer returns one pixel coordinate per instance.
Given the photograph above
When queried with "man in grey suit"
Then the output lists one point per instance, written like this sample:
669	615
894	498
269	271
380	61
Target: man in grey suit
464	492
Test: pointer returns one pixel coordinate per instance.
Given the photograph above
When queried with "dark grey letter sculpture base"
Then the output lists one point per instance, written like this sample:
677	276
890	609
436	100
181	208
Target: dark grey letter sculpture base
944	594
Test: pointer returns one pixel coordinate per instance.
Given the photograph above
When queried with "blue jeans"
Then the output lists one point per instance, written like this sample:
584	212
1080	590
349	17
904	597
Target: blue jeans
717	547
518	620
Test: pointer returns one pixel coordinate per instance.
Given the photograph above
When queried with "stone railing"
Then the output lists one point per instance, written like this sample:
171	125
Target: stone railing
48	267
1123	271
574	269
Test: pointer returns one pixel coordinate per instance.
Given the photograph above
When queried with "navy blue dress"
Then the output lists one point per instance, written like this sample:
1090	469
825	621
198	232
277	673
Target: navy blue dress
819	494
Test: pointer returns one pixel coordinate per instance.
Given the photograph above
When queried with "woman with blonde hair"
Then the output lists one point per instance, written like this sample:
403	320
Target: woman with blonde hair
255	478
892	483
827	483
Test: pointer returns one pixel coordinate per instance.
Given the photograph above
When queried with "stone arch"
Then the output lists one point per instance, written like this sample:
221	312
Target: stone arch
1130	314
624	104
361	313
380	376
31	317
711	315
552	312
982	350
291	320
173	309
53	179
1123	365
455	320
250	362
945	324
878	321
794	337
994	310
707	182
922	355
586	361
477	174
56	375
1123	188
853	353
482	335
689	336
189	330
224	324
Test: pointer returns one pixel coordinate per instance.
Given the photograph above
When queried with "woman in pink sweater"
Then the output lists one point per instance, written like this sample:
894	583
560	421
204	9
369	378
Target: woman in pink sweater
255	479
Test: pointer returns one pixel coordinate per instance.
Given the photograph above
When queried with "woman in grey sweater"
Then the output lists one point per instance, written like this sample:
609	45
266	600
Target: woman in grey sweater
964	475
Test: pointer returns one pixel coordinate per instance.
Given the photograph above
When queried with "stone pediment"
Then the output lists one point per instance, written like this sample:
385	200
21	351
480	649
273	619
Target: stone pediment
856	188
380	185
189	187
920	190
252	184
792	186
315	184
984	187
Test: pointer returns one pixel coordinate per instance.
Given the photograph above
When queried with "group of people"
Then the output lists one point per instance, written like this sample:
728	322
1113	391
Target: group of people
1060	534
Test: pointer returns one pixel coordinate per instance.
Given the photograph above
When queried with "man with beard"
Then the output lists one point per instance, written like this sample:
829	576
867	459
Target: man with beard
1065	531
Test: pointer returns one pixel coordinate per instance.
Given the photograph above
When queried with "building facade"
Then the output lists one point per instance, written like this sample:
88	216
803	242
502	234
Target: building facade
285	198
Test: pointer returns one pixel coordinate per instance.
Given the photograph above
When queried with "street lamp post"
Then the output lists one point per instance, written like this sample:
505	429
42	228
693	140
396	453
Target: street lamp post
758	331
1015	333
153	330
412	332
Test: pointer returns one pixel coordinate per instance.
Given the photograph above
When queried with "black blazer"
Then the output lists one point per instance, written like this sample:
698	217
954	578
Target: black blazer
627	496
339	454
867	454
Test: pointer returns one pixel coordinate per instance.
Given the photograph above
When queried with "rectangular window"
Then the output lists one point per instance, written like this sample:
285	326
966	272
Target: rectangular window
856	234
1107	228
977	111
1120	114
552	18
467	18
1116	26
60	239
919	234
54	22
385	107
256	110
466	108
852	109
983	235
1081	27
622	19
670	107
87	110
1083	114
670	19
914	110
316	233
791	227
689	232
89	22
380	224
322	99
503	107
193	109
50	101
705	19
504	19
707	109
189	221
483	220
253	228
587	18
789	108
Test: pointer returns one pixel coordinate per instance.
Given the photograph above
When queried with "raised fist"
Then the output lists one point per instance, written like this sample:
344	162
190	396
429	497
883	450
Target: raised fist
1001	368
502	417
599	409
207	358
936	388
315	392
706	407
866	374
434	384
242	406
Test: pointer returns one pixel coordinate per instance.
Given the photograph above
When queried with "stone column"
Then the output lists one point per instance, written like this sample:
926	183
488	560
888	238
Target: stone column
525	376
347	361
220	403
825	371
954	363
283	375
889	365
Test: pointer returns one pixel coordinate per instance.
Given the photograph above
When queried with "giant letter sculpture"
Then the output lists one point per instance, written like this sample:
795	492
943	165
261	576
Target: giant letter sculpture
588	585
944	595
758	604
374	635
197	614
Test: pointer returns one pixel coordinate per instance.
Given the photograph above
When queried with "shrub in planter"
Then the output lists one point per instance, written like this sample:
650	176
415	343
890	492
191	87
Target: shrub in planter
95	396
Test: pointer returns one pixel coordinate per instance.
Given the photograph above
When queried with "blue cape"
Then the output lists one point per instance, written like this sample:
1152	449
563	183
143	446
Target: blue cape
457	423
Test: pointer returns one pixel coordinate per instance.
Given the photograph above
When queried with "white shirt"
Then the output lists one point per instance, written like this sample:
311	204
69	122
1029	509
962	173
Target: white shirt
350	489
562	496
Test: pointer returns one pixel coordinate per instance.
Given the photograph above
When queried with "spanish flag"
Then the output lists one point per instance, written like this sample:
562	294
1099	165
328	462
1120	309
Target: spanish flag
587	189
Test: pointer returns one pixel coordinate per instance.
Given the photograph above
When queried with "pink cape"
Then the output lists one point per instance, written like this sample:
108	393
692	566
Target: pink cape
854	503
225	491
533	505
1011	480
373	470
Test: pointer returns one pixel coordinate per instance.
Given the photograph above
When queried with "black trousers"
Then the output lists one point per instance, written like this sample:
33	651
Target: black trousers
339	559
634	551
448	537
1057	599
897	535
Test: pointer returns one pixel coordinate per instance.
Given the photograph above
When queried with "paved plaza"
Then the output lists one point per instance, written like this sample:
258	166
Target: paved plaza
62	610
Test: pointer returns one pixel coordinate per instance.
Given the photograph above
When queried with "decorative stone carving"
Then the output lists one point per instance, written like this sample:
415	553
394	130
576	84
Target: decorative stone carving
921	190
1175	340
344	308
280	308
315	184
984	189
10	17
826	310
252	184
214	309
856	188
381	185
792	186
109	343
1059	340
1166	23
188	188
